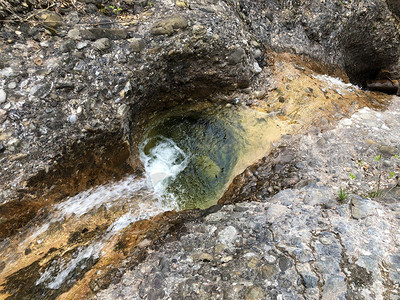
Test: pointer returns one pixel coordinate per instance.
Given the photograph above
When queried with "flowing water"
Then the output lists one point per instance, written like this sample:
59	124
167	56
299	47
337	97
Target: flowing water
190	155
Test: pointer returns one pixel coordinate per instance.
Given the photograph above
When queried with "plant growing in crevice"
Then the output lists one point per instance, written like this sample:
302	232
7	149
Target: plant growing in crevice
381	176
342	196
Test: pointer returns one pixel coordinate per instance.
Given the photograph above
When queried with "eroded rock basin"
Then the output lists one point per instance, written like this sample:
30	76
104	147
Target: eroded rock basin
190	155
77	245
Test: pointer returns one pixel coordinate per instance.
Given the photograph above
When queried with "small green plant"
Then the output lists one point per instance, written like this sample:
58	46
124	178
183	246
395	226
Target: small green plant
352	176
378	158
392	174
110	9
342	194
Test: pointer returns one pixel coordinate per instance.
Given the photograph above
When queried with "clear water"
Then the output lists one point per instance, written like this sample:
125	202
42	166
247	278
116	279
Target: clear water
189	153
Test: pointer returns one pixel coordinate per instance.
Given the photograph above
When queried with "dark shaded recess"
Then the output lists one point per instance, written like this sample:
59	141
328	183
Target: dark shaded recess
394	6
83	165
179	77
367	49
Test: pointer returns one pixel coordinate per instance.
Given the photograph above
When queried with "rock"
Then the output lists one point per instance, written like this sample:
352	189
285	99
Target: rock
136	45
360	208
259	94
228	235
3	96
102	44
334	288
208	167
199	30
254	293
276	211
98	33
237	56
169	25
67	45
256	67
203	257
81	45
3	115
310	281
51	19
12	85
74	34
41	90
72	119
7	72
388	151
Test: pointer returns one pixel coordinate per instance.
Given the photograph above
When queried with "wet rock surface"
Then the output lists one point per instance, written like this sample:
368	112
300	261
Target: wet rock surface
76	81
302	243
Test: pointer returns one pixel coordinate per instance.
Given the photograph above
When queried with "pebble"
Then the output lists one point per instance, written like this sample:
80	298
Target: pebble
102	44
227	235
72	119
12	85
7	72
360	208
81	45
3	96
256	67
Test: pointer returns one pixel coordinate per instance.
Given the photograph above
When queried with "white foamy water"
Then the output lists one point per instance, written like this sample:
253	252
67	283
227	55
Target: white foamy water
93	251
334	82
124	192
106	194
163	163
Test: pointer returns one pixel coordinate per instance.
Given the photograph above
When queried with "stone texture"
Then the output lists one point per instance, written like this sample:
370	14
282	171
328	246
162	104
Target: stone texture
169	25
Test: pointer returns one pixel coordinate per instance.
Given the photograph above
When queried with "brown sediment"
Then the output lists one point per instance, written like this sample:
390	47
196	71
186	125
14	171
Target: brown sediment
83	166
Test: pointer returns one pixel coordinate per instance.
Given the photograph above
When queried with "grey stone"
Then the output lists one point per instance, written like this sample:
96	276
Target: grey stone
72	118
67	45
237	56
388	151
12	85
98	33
256	67
136	45
102	44
42	90
360	208
3	96
310	281
81	45
7	72
227	235
3	115
74	34
334	288
169	25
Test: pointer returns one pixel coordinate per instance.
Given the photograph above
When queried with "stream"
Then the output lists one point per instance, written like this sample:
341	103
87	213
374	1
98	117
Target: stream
190	155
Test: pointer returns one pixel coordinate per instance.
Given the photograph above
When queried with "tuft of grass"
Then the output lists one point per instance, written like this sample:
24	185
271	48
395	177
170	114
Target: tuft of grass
342	196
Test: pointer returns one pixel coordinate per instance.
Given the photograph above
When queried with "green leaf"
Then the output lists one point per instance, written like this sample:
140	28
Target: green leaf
377	158
352	176
392	174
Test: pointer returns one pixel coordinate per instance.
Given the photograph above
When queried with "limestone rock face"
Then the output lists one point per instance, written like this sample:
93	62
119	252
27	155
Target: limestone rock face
74	100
